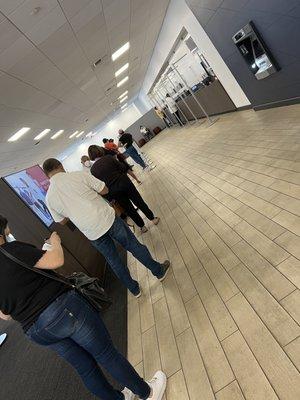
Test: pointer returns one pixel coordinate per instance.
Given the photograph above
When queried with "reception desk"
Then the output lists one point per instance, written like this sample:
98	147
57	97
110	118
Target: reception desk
213	98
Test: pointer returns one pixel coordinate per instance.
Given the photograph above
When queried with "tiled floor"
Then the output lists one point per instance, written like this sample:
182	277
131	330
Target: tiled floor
225	323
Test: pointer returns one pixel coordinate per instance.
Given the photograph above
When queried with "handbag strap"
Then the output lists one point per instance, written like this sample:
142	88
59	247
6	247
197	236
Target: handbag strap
33	269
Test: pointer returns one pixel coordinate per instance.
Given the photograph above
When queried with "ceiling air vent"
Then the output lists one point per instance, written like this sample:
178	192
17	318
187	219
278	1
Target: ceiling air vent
100	61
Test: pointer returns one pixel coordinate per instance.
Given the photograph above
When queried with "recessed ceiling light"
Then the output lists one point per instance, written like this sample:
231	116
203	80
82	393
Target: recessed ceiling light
90	134
123	94
122	81
120	51
42	134
124	109
124	106
122	69
58	133
73	134
123	99
18	134
79	134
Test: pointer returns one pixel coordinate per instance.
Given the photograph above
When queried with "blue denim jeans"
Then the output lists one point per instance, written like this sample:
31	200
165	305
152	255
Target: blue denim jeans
132	152
121	233
73	329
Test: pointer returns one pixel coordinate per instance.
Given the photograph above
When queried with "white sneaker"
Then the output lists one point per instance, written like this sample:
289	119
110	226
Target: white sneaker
128	394
158	386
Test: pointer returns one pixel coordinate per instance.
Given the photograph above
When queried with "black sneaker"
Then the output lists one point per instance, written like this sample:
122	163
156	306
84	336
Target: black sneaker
165	266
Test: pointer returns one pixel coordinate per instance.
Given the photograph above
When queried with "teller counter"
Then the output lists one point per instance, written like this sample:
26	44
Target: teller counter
213	98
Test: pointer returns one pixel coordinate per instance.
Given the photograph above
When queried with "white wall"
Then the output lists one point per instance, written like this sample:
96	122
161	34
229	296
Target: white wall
122	120
178	16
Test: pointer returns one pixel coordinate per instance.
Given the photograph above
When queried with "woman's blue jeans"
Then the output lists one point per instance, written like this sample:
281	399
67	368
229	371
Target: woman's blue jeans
132	152
74	329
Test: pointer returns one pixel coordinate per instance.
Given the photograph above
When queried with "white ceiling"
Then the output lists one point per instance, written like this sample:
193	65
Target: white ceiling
46	74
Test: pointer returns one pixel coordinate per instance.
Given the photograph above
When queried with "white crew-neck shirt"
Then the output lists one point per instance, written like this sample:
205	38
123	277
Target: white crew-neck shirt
171	104
75	195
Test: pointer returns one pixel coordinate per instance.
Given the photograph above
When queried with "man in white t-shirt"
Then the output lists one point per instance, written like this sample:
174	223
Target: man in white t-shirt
77	196
173	108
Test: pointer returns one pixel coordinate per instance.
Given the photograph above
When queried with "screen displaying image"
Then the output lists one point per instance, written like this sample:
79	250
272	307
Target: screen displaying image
31	186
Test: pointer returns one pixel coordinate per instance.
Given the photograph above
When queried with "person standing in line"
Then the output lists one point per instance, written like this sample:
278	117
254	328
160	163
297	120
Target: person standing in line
78	196
86	163
110	145
54	315
159	112
174	109
113	151
114	174
126	141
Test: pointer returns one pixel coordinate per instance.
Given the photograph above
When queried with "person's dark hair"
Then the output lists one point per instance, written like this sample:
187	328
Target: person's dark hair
111	140
96	152
84	158
167	95
3	225
155	107
105	140
51	165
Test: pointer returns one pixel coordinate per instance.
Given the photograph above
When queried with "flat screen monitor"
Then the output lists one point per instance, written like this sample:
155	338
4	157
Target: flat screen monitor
31	186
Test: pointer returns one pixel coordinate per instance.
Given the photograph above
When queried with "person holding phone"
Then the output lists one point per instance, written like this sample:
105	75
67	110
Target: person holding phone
54	315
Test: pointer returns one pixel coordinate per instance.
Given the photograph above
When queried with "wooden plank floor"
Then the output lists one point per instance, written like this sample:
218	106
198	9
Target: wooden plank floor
225	323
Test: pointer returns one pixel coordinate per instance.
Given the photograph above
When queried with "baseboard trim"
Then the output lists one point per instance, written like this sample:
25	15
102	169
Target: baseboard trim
248	107
280	103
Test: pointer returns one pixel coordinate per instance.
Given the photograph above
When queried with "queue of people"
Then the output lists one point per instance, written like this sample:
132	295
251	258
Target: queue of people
114	175
55	315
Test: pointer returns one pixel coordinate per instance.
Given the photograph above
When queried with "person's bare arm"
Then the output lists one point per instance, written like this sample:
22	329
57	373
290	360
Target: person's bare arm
4	316
53	258
104	191
132	174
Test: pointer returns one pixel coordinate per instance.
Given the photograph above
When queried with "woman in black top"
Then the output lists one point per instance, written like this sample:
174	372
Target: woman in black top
56	316
114	174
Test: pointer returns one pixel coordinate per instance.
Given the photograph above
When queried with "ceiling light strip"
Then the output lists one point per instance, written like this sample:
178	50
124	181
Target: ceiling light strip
124	80
73	134
123	94
123	99
122	69
18	134
58	133
120	51
42	134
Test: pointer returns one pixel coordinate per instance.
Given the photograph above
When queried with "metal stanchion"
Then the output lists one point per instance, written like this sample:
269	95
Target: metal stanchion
180	123
211	121
182	98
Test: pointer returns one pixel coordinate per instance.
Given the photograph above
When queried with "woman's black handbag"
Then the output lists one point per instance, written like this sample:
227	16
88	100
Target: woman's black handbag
86	286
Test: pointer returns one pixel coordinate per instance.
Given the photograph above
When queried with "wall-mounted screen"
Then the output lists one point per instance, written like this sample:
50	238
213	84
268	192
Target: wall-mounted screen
31	186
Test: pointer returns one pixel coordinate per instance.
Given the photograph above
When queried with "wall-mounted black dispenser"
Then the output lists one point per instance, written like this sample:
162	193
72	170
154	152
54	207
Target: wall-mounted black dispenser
255	52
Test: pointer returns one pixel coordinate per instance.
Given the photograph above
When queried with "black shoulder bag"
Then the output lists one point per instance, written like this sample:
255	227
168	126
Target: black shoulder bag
87	287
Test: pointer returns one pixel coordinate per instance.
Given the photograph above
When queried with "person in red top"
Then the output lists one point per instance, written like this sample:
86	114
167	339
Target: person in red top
112	148
110	145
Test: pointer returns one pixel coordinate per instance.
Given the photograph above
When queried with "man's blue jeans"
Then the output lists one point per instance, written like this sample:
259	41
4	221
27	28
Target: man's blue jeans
121	233
74	329
132	152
